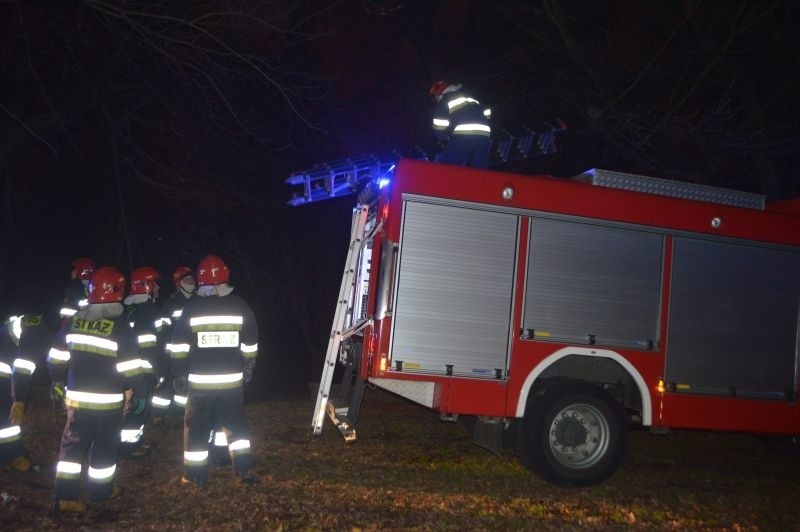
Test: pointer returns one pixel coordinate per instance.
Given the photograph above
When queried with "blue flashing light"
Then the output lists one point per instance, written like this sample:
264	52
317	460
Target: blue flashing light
382	182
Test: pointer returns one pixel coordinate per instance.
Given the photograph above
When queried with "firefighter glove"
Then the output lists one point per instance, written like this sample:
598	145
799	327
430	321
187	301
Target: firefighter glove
17	413
181	385
57	391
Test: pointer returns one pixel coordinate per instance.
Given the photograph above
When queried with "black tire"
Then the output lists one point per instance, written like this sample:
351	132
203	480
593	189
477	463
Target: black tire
573	434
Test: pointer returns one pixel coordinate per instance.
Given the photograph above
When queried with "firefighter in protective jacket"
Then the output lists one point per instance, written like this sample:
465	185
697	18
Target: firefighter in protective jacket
144	317
24	342
213	349
93	361
75	295
164	397
463	123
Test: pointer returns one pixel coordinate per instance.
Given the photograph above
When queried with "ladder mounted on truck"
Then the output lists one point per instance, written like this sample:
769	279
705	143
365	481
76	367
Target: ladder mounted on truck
349	176
362	175
344	417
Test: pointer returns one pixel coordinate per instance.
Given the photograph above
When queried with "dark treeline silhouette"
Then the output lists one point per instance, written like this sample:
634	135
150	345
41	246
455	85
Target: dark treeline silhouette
153	134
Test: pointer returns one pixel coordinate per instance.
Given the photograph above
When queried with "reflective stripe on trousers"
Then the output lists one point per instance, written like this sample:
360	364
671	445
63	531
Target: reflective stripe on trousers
206	411
96	432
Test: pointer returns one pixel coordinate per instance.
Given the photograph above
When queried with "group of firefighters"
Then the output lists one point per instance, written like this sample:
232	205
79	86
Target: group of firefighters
118	361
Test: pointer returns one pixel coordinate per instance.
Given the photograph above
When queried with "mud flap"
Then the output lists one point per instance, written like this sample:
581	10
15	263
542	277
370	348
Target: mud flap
488	433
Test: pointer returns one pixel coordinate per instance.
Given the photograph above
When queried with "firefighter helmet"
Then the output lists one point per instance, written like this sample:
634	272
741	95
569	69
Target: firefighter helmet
437	89
143	280
84	268
180	273
107	285
212	270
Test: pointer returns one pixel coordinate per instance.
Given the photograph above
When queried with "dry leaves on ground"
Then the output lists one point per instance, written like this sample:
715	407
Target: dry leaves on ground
409	470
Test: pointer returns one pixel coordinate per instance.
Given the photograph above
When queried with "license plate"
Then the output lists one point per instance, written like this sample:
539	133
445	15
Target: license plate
218	339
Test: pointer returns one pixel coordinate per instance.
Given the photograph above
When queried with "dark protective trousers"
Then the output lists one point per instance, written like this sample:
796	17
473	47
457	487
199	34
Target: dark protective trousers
96	432
467	150
161	404
206	411
10	437
135	422
218	444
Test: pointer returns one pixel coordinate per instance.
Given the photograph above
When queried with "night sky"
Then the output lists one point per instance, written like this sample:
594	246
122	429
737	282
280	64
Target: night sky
144	133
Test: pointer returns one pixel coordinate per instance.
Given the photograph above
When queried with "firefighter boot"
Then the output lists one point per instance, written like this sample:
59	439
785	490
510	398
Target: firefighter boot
140	451
21	464
136	451
196	483
116	493
69	507
248	478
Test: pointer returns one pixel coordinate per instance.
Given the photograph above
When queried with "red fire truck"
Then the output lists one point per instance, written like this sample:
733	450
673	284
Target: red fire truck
568	309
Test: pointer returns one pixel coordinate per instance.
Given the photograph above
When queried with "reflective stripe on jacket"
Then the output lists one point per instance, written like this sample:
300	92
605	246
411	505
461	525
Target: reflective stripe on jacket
459	114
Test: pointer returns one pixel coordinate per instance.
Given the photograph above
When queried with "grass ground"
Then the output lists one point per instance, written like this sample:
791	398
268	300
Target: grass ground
410	471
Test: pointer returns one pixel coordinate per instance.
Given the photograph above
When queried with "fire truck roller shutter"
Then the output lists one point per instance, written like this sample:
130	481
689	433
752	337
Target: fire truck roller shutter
593	284
454	290
573	434
733	319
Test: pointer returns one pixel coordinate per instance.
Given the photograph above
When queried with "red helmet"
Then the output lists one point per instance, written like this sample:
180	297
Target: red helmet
84	268
143	280
179	274
211	271
437	89
107	285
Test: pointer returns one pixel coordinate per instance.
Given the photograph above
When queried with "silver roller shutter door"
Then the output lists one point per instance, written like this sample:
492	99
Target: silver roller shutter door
593	281
454	289
733	321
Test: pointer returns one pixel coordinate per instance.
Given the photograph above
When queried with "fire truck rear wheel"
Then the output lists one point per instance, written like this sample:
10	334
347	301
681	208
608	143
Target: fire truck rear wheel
575	434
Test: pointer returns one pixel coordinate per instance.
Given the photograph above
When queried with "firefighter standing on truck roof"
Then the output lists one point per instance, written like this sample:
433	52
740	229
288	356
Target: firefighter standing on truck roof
24	341
75	296
145	319
214	348
165	400
96	352
463	124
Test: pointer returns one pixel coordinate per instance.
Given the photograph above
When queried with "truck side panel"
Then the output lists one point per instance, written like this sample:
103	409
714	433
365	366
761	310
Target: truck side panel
593	284
733	320
454	290
669	226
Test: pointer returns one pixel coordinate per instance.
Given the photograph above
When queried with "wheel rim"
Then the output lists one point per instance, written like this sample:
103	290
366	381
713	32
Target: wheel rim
579	435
